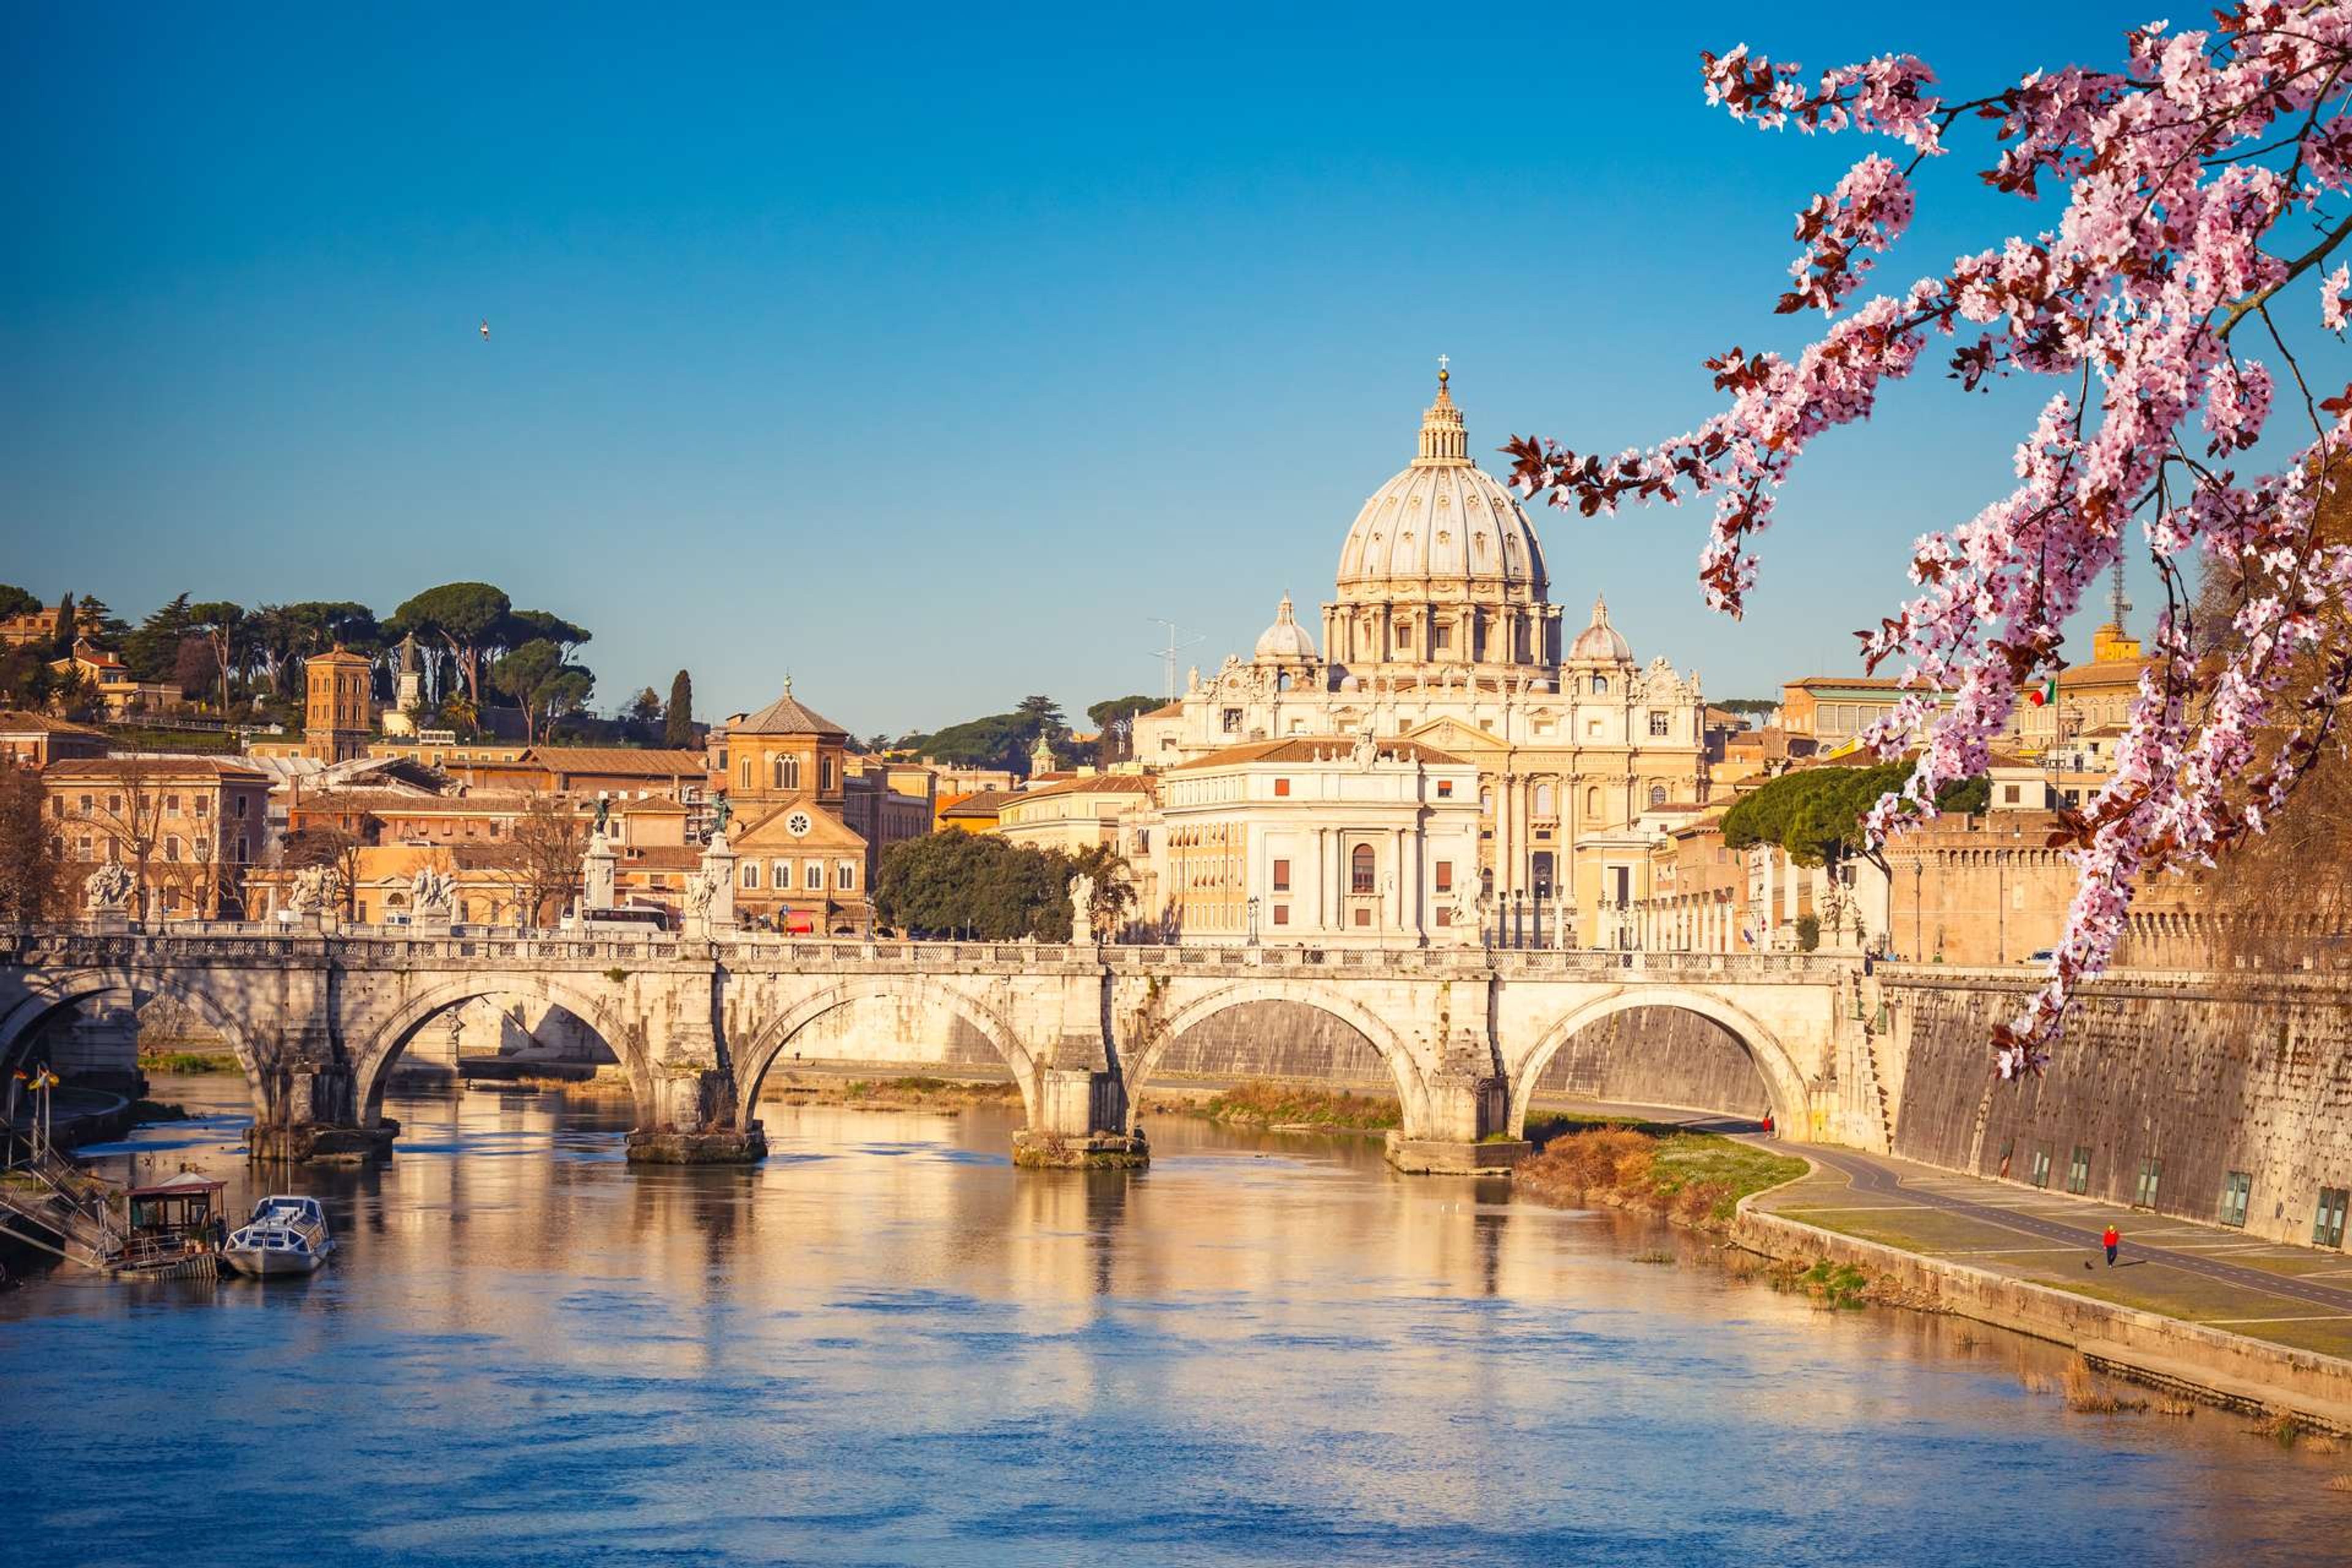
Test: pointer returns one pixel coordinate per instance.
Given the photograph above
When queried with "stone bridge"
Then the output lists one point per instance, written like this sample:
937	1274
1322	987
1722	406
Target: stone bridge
318	1019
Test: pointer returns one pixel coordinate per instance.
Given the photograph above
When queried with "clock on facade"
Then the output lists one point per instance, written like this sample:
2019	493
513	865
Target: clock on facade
798	824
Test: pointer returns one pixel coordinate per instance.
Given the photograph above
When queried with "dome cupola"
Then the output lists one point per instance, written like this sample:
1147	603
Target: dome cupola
1285	640
1600	643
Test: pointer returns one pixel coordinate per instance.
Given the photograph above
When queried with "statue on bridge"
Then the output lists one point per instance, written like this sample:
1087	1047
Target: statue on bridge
1082	908
432	895
313	888
108	889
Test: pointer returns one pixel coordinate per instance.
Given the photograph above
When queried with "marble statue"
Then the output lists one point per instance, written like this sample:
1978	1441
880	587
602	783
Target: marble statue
700	888
1082	908
313	888
432	894
108	889
1367	750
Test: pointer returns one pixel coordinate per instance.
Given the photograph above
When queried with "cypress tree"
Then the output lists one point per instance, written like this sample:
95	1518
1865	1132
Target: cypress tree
677	718
66	617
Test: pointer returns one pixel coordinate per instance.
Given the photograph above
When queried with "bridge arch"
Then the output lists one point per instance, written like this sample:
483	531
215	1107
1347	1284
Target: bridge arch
1782	1078
1406	1072
43	996
770	1039
372	1062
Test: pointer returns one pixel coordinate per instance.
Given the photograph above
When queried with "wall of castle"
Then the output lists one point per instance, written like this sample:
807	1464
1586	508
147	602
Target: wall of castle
2207	1076
1657	1056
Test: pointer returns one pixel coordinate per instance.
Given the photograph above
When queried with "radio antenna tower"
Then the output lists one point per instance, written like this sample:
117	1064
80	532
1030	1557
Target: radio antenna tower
2116	604
1177	643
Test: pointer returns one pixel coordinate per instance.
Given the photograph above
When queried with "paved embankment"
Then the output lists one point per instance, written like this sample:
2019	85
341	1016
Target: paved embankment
2197	1308
2204	1310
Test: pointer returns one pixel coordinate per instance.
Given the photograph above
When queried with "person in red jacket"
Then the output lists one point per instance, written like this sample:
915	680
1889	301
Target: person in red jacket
2112	1239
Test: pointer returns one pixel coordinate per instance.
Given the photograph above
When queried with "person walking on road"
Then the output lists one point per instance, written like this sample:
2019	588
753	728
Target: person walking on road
2111	1239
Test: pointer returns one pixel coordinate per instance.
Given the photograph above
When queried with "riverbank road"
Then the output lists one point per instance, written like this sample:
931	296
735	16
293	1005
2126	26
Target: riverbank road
2212	1274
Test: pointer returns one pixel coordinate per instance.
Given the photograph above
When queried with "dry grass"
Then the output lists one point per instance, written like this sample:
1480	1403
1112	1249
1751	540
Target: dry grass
2084	1396
1260	1103
1692	1178
2320	1443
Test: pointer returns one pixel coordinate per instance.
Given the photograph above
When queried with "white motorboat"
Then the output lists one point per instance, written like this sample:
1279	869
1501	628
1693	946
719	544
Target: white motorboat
286	1235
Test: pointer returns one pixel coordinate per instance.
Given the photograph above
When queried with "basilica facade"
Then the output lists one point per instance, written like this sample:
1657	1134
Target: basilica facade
1442	631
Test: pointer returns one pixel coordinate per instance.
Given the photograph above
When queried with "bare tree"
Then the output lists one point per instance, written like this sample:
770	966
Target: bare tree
32	869
541	865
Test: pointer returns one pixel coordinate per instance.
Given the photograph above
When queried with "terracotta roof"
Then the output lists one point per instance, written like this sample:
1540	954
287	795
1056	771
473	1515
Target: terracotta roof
1100	784
660	857
339	654
1165	710
229	770
787	715
980	802
1325	749
1858	683
630	760
24	721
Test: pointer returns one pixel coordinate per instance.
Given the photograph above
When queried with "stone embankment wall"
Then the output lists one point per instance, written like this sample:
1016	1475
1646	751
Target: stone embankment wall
1285	1041
2247	1374
2204	1075
1658	1056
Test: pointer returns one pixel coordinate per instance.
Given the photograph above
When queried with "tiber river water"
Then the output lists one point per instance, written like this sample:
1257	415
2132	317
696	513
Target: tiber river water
887	1346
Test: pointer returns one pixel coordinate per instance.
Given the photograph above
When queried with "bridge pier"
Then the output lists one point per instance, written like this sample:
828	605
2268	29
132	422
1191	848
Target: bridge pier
1464	1129
313	1117
1079	1123
686	1093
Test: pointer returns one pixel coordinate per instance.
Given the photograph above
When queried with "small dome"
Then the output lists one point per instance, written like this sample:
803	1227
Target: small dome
1285	639
1600	643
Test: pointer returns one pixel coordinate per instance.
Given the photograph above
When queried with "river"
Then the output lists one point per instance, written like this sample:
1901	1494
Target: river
887	1346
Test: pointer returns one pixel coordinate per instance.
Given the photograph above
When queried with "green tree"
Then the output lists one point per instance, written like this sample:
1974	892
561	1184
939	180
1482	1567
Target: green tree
153	652
1114	719
533	626
16	601
641	719
96	621
1114	884
66	628
544	686
677	718
1815	813
469	618
955	883
32	861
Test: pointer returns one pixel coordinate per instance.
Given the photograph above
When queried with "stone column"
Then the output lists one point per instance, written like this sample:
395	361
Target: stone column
596	874
692	1120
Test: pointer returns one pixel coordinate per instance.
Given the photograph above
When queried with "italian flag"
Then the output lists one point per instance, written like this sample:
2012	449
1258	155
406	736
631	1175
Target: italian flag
2044	694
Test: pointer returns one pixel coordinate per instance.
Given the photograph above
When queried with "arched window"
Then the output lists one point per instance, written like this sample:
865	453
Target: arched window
1593	801
747	775
1657	794
750	868
1543	800
1360	868
1600	686
788	773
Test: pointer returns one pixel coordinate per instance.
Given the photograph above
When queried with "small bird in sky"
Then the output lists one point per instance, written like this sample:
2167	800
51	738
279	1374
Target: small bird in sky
486	330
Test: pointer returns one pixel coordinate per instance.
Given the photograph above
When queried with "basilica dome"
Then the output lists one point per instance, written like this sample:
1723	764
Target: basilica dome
1442	520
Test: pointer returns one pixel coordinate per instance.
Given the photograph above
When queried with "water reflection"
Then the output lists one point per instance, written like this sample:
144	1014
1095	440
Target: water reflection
885	1345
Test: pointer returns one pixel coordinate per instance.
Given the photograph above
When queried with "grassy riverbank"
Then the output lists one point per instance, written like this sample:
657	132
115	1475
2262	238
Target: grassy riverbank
1695	1179
911	1093
1259	1103
188	1061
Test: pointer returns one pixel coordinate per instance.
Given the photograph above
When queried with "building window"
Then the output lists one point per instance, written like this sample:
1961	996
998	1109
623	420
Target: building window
172	847
240	849
242	802
813	875
2236	1188
1592	803
1600	686
2009	795
1282	786
1445	789
1657	794
1445	876
2041	1167
747	775
1364	918
1544	801
1230	720
751	873
1282	914
2151	1172
2078	1170
1282	875
1486	803
1360	870
171	805
2327	1227
81	847
846	876
1404	634
1442	637
204	806
1657	726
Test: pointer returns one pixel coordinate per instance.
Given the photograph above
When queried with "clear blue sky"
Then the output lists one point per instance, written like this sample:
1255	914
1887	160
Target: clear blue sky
924	354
